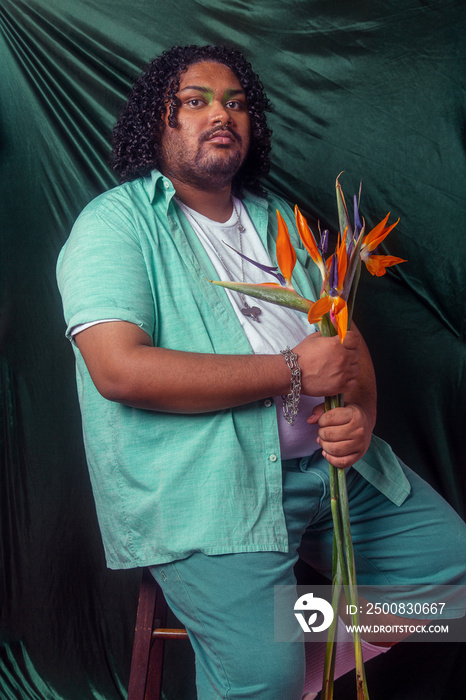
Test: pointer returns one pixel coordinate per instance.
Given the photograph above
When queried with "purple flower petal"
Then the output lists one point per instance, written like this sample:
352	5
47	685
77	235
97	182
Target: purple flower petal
270	270
323	245
357	220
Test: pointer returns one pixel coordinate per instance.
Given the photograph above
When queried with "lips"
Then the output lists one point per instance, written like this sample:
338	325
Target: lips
221	139
221	136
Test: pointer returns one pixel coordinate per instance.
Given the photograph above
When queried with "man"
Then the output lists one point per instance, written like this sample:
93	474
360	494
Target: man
195	472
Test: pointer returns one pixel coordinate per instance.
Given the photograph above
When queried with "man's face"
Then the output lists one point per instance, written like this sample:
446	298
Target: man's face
211	140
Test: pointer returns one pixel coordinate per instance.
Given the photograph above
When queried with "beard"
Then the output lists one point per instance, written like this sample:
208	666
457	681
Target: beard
212	172
207	168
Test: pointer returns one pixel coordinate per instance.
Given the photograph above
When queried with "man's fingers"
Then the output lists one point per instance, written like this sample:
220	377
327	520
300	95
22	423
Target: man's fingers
341	462
336	416
316	414
337	448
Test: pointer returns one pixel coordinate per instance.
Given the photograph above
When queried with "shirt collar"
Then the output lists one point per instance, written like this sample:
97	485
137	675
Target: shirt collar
156	181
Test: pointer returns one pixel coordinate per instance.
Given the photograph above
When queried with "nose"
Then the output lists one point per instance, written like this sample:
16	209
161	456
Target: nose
219	114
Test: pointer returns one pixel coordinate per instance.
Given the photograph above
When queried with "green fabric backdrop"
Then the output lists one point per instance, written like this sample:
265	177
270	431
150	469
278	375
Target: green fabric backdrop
373	87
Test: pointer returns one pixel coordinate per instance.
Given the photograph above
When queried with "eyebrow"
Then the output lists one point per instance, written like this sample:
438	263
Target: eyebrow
232	92
201	88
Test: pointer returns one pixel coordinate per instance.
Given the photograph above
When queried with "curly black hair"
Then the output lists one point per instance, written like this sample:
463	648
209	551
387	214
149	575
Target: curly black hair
136	136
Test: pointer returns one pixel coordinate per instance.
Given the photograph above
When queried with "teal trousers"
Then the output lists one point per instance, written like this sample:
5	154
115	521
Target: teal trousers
226	602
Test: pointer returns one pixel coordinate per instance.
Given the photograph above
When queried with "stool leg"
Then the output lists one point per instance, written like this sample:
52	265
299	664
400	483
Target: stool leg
154	675
146	664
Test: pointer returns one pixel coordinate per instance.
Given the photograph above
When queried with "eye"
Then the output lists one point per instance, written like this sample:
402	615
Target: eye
194	102
235	104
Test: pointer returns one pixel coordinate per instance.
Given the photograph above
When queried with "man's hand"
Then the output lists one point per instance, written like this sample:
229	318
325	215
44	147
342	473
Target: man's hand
329	367
344	433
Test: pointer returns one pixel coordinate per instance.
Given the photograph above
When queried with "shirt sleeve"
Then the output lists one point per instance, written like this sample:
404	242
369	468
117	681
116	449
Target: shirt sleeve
82	326
102	271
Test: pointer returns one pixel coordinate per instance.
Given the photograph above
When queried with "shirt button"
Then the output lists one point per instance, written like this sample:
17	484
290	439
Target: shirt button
166	184
267	403
273	458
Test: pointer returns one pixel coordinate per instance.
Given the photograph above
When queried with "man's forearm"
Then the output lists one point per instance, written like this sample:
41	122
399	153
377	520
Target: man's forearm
127	368
184	382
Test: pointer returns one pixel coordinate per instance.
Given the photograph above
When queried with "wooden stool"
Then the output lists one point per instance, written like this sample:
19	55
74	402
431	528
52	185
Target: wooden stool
145	681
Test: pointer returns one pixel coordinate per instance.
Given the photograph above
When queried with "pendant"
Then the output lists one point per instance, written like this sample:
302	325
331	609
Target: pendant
252	312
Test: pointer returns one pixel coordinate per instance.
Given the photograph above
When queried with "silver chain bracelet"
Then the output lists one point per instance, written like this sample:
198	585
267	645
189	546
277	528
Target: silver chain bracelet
291	400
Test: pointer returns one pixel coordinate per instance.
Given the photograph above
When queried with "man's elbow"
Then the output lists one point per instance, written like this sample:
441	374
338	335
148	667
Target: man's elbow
128	390
112	388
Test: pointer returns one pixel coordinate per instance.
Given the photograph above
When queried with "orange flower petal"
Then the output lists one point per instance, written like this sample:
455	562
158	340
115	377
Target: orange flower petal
286	254
307	236
342	261
378	234
340	310
377	264
376	231
319	309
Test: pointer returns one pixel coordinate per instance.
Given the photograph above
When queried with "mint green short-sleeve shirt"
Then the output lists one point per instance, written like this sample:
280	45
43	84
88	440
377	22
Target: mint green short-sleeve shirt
167	485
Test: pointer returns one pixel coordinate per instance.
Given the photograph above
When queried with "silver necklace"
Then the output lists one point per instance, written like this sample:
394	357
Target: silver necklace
252	312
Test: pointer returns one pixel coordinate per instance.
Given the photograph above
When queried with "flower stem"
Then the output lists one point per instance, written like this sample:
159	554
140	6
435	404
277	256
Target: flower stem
344	570
352	590
330	652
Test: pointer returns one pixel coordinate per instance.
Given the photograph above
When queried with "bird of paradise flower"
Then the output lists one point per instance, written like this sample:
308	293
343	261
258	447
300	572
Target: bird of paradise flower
340	273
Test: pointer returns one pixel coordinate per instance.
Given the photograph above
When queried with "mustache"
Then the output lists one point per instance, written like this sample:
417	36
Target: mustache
208	134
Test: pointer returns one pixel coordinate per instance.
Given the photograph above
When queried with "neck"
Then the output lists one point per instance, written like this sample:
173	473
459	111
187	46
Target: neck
214	204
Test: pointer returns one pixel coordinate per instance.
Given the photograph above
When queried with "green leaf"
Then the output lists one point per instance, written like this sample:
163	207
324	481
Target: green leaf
275	294
343	216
